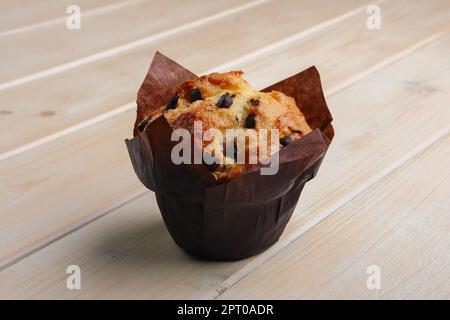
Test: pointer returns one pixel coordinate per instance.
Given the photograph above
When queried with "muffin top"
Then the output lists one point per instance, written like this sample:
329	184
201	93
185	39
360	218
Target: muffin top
224	101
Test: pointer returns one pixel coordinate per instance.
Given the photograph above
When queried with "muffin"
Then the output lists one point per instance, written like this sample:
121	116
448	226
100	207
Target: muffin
224	101
227	211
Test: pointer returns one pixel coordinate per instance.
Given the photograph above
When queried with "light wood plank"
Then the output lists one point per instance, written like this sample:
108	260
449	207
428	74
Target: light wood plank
72	217
58	49
68	196
24	13
128	254
406	25
401	225
56	44
149	252
81	98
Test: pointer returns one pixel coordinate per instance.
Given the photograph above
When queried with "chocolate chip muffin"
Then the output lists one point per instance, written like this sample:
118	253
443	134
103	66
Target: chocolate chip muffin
224	101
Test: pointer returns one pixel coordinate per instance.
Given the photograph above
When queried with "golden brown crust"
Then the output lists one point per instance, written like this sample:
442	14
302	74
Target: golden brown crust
200	100
214	83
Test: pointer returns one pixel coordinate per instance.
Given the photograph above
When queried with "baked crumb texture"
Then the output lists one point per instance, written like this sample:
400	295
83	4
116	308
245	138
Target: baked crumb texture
226	101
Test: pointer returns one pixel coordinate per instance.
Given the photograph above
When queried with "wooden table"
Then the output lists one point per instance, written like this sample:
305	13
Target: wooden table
379	207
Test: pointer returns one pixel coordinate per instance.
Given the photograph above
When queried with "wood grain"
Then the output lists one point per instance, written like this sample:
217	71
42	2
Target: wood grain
80	99
129	254
400	225
360	51
56	44
23	14
41	188
26	182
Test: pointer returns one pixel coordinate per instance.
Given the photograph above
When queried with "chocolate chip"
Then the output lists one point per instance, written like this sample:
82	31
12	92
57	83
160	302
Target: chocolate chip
142	125
172	103
285	141
212	167
254	102
196	95
250	121
225	101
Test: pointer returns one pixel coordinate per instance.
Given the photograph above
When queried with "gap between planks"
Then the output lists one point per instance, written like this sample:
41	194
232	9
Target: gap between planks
129	106
45	242
341	218
248	57
130	45
321	216
283	243
72	228
291	39
89	12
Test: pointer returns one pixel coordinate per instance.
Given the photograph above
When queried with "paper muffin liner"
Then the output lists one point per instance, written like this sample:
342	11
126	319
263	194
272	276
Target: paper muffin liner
242	217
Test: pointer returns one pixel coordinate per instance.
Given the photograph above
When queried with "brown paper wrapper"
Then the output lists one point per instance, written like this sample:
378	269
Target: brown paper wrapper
240	218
